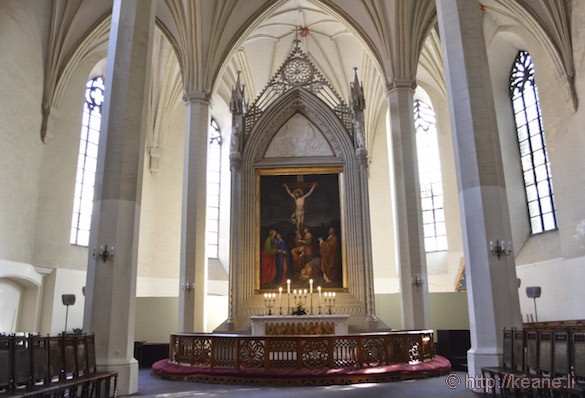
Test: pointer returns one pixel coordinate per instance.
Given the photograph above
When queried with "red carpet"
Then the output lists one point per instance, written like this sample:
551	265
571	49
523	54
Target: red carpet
438	366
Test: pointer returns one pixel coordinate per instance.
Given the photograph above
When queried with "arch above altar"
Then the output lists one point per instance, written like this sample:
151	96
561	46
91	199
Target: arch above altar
299	195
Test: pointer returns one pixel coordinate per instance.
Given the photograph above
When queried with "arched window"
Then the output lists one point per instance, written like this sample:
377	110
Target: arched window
87	162
431	184
535	165
213	189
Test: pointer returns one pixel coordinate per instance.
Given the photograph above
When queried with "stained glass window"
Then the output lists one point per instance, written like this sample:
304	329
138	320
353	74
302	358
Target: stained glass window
431	184
213	189
533	155
87	162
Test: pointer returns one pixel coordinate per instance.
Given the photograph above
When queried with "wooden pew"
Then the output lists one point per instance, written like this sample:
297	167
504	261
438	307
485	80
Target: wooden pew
52	366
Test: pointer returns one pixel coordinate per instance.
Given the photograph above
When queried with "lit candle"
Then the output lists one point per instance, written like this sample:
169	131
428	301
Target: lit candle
288	286
280	296
310	286
305	292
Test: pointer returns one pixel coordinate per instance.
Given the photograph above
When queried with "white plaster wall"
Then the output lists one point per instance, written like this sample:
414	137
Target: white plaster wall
57	179
160	216
561	281
63	281
568	149
21	78
216	311
381	217
10	293
565	143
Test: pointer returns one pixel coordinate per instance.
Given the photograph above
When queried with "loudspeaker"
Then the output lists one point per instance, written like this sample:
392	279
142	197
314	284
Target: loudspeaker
68	299
533	291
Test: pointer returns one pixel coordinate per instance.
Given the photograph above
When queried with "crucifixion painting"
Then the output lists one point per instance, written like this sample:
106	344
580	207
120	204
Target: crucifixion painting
300	229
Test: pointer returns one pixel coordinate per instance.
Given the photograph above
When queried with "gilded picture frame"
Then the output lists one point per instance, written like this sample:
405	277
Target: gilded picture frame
299	228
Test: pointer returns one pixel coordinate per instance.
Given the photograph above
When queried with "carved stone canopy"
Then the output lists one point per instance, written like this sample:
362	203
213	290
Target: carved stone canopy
298	72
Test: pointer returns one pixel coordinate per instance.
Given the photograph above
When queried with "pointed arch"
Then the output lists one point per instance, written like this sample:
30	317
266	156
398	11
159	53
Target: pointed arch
312	108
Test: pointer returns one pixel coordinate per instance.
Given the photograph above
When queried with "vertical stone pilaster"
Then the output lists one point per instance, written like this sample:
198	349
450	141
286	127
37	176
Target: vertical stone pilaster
193	261
408	213
358	104
492	289
111	282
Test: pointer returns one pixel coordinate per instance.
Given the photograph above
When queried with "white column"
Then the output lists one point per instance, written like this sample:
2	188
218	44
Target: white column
111	284
193	259
492	289
411	255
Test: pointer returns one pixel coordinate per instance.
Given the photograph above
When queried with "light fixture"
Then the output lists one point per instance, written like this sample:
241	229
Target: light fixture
418	280
68	299
500	248
533	292
187	286
104	253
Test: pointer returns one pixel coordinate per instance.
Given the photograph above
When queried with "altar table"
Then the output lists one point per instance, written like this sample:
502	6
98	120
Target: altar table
275	325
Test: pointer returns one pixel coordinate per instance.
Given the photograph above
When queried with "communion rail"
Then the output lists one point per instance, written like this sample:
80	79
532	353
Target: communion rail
301	352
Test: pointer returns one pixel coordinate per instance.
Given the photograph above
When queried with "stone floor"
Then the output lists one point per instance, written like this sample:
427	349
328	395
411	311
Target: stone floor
150	386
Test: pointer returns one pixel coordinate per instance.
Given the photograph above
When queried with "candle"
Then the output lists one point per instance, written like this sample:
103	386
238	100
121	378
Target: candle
319	290
288	286
280	296
305	292
310	286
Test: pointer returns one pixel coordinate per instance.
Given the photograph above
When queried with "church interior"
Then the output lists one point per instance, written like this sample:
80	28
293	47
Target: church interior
183	166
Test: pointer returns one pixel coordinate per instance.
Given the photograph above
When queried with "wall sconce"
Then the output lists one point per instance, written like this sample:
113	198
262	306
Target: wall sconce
104	253
418	280
500	248
187	286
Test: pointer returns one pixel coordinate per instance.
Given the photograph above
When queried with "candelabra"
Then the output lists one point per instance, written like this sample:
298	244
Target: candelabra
418	280
104	253
299	296
188	286
269	301
329	302
500	248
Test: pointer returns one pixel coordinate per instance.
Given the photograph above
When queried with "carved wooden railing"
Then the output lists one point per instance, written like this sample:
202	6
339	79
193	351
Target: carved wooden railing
301	352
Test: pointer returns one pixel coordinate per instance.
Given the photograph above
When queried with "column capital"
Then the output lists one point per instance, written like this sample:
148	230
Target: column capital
196	96
399	84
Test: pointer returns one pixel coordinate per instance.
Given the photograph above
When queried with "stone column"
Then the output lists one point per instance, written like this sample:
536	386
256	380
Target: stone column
408	214
193	259
111	282
492	290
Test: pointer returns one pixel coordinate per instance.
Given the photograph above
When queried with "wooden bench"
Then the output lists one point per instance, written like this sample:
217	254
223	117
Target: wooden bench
551	361
46	366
